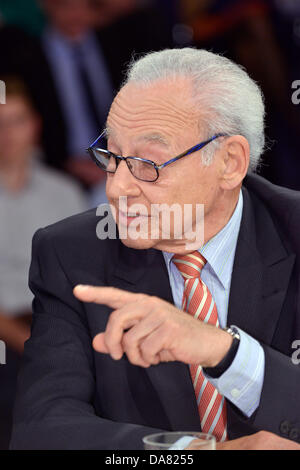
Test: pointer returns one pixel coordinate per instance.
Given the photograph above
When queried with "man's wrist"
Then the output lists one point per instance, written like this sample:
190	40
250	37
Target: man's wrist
221	344
218	369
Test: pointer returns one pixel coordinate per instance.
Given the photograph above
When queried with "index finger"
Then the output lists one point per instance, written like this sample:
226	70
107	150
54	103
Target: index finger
111	296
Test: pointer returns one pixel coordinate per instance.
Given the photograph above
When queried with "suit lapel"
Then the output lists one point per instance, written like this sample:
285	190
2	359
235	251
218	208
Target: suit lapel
261	273
144	271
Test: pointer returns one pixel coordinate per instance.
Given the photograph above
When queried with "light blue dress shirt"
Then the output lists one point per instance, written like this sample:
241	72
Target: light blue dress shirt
60	54
242	382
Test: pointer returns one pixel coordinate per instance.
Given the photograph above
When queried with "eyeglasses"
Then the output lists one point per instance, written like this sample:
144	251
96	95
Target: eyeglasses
141	168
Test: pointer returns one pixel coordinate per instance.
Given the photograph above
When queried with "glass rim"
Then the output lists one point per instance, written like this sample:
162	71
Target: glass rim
143	161
119	157
198	435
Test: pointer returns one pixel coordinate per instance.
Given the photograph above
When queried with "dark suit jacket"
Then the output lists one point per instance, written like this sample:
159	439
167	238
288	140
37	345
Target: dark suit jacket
72	397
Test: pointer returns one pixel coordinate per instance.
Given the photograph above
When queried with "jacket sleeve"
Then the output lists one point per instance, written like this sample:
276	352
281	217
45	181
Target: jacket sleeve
278	410
56	384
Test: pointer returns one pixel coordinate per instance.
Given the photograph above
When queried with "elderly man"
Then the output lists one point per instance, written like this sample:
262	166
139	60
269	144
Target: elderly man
143	344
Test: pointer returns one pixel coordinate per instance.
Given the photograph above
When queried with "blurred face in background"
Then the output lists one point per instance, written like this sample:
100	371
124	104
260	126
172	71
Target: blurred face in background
118	7
19	131
73	18
108	11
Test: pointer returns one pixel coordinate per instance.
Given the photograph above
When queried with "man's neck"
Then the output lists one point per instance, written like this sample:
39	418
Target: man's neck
220	218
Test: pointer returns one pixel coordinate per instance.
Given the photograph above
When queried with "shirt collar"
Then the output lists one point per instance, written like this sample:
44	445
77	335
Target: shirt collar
219	251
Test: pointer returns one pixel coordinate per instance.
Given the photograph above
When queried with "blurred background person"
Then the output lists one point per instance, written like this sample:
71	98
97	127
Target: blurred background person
74	69
81	78
67	74
31	196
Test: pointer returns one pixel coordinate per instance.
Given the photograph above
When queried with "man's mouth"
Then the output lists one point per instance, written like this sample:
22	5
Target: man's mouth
132	214
127	217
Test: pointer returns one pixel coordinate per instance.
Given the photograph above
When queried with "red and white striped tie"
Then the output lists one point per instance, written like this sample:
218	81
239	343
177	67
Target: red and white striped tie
197	300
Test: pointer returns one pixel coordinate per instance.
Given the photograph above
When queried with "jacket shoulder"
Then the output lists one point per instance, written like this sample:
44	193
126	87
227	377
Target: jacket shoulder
283	205
272	193
76	240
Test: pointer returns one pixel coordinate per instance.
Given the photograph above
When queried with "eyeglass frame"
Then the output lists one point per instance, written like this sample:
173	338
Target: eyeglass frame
193	149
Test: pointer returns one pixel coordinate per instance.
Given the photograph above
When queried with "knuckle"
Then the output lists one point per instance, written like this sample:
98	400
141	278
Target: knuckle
128	341
114	318
145	348
132	358
263	436
171	328
160	313
142	297
155	360
150	300
129	346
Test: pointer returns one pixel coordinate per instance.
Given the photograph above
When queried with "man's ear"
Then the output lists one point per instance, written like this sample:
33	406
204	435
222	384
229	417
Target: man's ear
235	161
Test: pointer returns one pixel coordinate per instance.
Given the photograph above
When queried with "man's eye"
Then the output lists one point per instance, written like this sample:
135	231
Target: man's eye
114	150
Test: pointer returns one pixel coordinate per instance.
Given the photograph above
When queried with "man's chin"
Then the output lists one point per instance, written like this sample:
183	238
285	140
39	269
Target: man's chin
139	243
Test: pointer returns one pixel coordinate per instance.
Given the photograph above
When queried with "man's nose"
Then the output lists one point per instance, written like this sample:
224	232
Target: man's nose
122	183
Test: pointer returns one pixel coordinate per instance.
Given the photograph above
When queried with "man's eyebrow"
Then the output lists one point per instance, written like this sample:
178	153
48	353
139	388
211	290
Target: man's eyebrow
155	137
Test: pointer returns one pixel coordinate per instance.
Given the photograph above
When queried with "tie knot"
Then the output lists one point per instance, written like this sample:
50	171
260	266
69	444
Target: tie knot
189	265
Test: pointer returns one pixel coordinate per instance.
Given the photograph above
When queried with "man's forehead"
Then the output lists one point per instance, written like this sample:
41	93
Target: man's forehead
176	88
155	113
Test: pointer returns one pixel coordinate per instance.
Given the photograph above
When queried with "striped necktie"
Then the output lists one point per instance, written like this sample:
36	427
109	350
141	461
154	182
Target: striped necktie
197	300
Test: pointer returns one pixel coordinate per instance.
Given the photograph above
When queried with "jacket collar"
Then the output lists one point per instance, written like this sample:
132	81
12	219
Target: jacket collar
261	273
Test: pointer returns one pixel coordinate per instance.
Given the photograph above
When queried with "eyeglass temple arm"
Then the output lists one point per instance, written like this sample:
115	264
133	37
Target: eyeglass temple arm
98	138
191	150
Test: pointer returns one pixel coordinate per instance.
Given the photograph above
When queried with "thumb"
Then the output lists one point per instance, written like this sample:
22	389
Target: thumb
99	343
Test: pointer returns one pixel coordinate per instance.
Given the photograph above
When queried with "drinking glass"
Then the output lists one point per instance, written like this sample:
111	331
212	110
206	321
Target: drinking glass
179	441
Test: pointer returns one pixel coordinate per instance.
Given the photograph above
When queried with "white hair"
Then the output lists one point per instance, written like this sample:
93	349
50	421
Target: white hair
229	100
